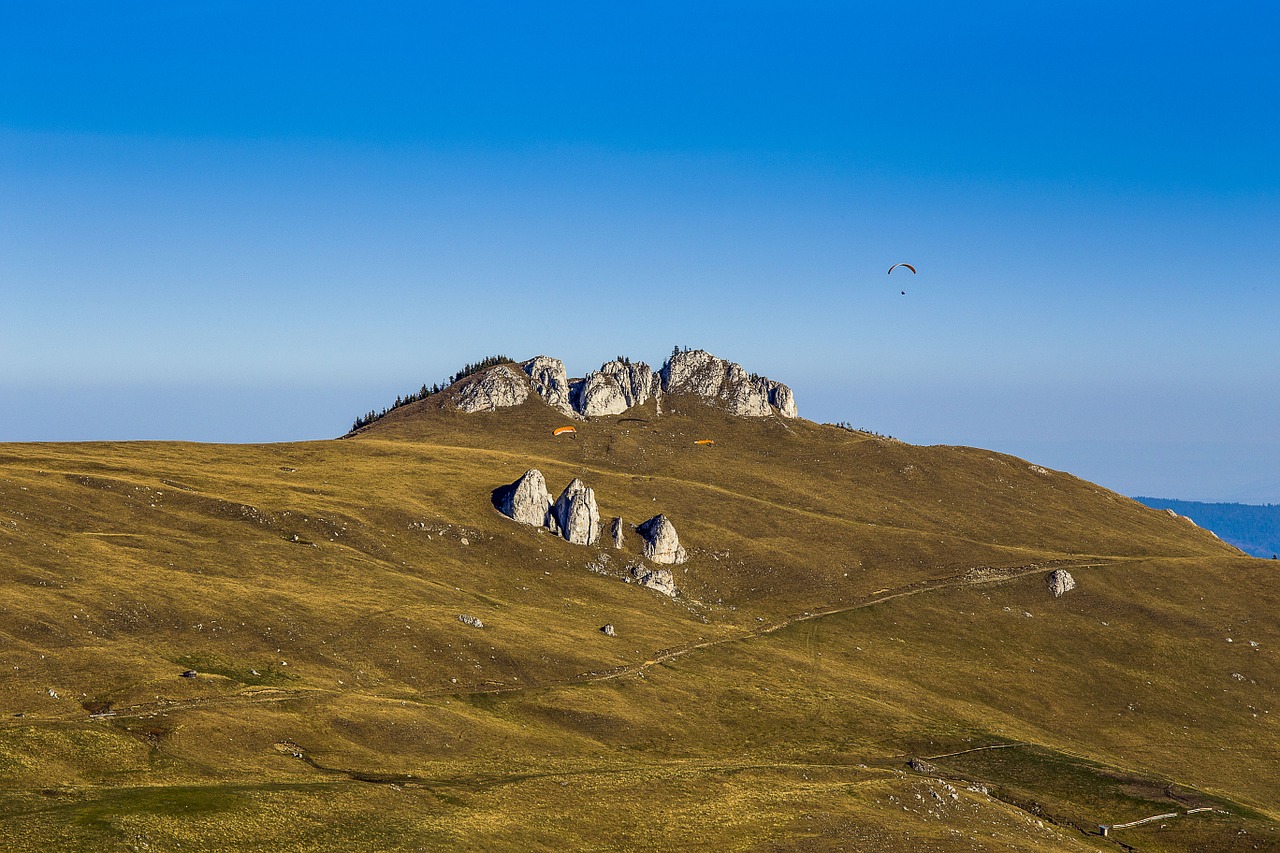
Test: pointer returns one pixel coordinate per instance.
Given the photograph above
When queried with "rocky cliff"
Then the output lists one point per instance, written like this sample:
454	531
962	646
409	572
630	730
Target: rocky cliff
623	384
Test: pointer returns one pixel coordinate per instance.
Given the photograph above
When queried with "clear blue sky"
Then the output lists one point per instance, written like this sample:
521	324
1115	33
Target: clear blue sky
224	223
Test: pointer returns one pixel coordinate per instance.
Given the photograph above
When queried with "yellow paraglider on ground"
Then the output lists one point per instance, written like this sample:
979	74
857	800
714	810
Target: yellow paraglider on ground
564	429
703	441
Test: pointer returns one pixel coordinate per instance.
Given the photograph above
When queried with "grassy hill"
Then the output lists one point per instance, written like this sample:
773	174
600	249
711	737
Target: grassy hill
864	654
1251	528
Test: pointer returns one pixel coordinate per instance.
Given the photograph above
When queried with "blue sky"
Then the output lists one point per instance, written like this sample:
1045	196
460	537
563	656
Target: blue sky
222	223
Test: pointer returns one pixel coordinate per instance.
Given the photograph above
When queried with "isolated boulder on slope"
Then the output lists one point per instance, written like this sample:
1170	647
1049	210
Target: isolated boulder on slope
576	512
527	499
661	544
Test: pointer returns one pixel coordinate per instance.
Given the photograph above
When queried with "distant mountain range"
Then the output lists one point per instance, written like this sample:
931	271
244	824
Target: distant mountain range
1252	528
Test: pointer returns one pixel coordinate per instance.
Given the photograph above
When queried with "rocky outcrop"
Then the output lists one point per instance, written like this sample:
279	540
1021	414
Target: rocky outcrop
617	386
1060	582
615	530
549	381
527	499
622	384
495	388
658	580
576	512
608	631
661	544
700	373
473	621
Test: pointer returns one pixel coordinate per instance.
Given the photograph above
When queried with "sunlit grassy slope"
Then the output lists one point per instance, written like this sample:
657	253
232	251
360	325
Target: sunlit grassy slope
849	604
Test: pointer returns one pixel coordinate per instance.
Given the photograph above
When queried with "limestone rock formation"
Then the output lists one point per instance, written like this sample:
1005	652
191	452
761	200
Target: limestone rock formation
473	621
616	530
703	374
661	544
608	631
658	580
495	388
622	384
617	386
527	499
1060	582
549	381
575	511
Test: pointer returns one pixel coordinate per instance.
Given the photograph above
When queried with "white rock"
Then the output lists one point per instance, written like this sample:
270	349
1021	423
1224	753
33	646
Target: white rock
575	511
495	388
527	499
701	373
661	544
616	530
659	580
600	394
473	621
549	381
1060	582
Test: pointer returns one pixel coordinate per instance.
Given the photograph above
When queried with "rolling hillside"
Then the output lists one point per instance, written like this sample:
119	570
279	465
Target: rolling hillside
863	655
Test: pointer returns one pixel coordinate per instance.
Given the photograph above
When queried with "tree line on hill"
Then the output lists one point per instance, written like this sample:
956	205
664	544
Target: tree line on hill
1253	528
426	391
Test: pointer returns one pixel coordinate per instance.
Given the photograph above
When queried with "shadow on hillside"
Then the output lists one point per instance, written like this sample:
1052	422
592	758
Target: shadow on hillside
500	495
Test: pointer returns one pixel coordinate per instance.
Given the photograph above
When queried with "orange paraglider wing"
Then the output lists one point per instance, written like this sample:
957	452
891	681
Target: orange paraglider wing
703	441
562	430
895	266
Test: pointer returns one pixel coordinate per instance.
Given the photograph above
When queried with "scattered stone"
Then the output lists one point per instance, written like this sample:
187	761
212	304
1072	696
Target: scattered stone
473	621
608	631
616	530
495	388
1060	582
661	544
53	693
189	673
921	766
527	499
576	512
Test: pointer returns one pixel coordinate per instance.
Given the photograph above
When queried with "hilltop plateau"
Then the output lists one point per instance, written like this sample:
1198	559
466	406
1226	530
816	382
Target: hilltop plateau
346	644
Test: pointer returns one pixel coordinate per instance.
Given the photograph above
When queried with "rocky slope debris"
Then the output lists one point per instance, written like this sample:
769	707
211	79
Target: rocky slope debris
1060	582
661	543
622	384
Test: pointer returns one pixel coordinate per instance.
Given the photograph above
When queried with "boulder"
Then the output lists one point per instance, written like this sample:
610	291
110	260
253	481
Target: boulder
473	621
608	631
1060	582
495	388
577	515
661	544
658	580
549	381
527	499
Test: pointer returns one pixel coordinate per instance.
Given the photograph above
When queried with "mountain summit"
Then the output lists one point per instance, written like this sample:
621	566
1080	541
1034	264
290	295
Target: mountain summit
622	384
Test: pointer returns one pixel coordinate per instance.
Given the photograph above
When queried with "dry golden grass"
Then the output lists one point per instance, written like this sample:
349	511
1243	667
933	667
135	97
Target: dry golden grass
832	625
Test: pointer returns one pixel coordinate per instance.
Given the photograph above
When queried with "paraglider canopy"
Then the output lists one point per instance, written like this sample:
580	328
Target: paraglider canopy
562	430
703	441
895	266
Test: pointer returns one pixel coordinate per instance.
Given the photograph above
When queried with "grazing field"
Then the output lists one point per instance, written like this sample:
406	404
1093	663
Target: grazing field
863	655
